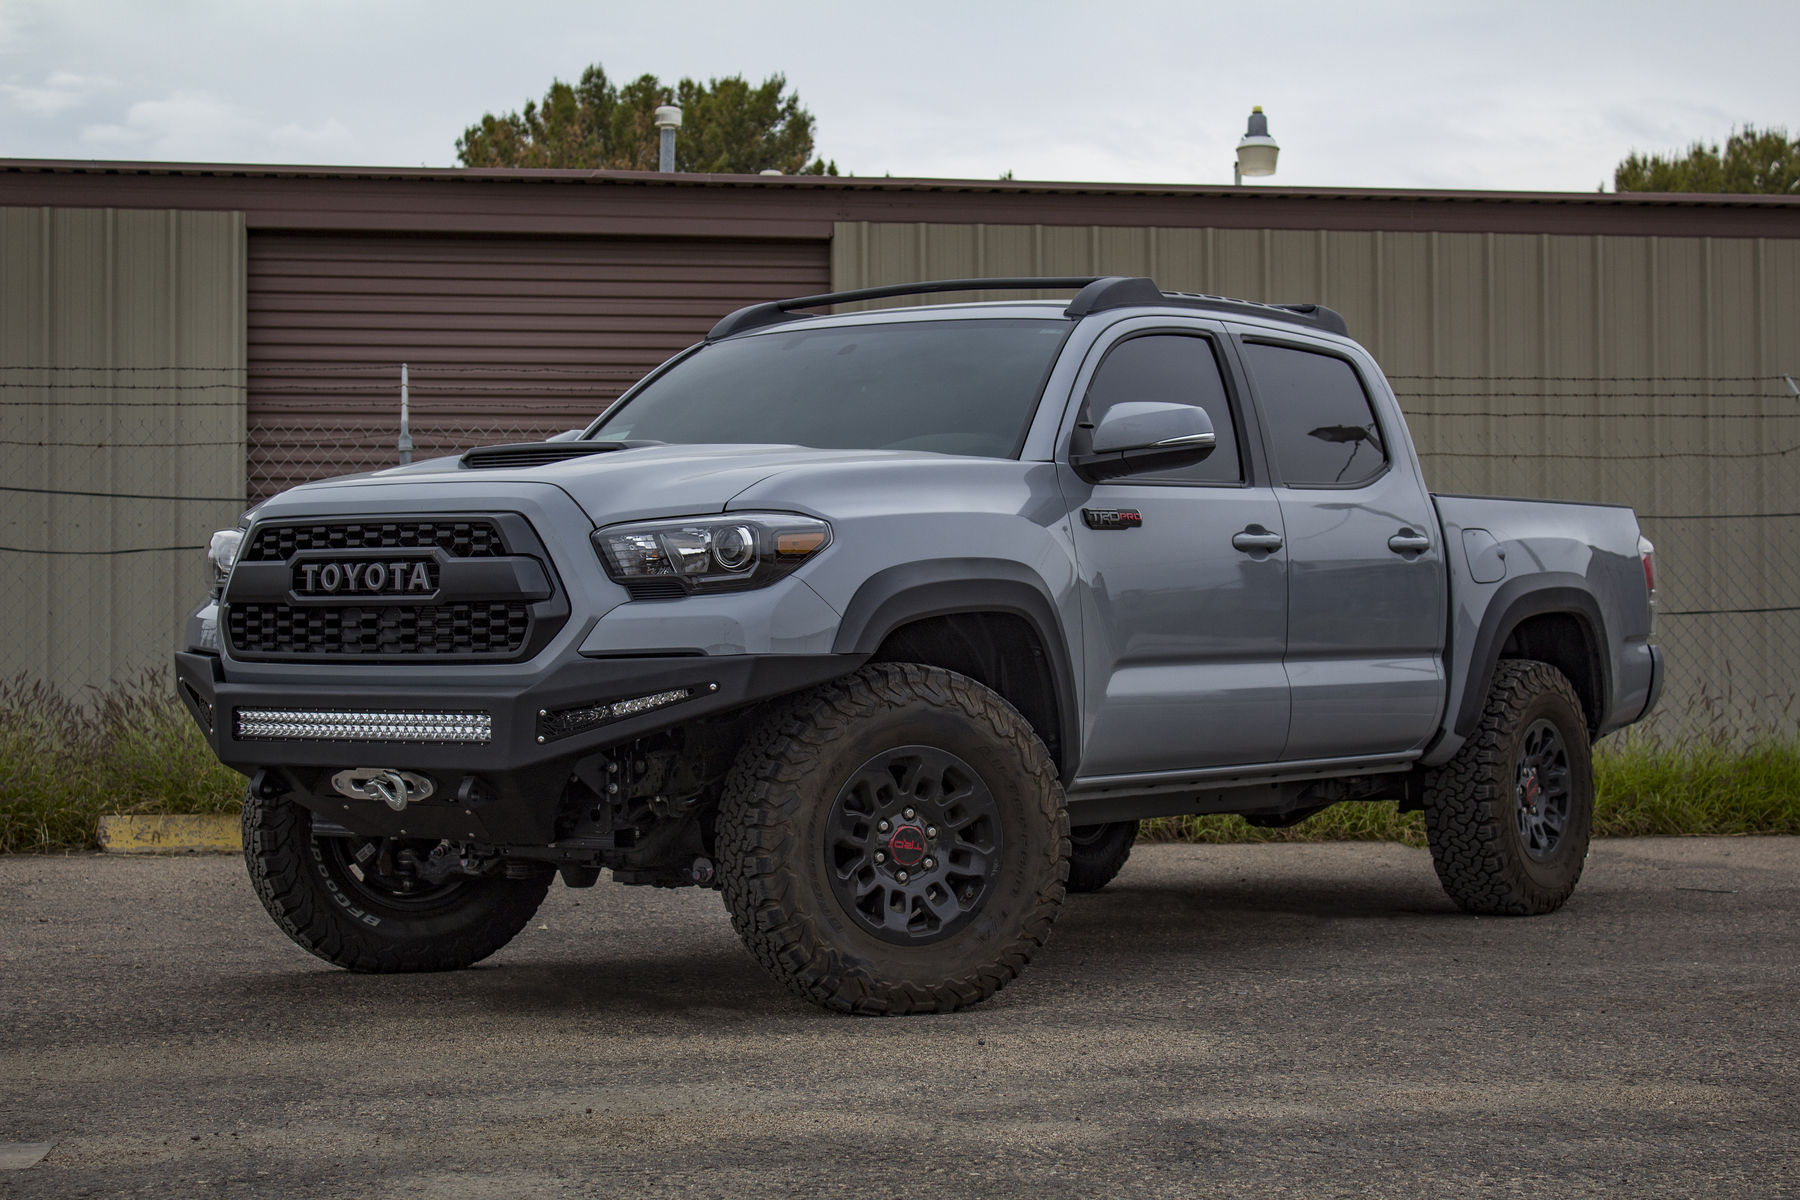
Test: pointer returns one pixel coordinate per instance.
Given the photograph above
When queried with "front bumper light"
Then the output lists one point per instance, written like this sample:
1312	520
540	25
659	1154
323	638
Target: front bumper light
730	553
222	554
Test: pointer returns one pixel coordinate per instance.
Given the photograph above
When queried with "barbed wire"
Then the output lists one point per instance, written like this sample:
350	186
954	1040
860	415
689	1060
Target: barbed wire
370	368
1605	396
1712	516
98	553
1726	612
303	389
35	491
66	404
1775	377
127	445
1430	414
1604	458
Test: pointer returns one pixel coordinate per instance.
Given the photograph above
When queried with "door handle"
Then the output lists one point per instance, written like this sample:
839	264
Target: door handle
1409	542
1255	540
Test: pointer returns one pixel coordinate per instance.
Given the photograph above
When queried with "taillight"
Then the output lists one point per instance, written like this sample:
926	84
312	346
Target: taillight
1647	553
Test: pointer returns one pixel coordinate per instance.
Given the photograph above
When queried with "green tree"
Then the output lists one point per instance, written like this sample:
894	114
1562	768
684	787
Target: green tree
1766	163
728	127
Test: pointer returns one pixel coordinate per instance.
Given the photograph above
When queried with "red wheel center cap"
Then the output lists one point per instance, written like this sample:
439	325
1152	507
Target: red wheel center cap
906	846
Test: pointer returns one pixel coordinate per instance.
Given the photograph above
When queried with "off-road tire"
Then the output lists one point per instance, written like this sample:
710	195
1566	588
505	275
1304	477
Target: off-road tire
773	850
1471	802
304	888
1097	853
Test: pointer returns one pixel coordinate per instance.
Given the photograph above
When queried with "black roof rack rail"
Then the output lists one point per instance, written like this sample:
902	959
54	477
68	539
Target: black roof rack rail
1095	294
1116	291
1328	319
757	316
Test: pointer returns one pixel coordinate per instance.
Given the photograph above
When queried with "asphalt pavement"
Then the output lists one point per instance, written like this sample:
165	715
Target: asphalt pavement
1306	1020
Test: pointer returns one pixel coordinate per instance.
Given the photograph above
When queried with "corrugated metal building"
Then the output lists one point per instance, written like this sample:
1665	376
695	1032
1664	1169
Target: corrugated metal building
225	332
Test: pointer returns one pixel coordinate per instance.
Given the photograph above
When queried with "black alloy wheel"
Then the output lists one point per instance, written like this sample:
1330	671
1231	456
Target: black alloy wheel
1541	791
894	841
913	842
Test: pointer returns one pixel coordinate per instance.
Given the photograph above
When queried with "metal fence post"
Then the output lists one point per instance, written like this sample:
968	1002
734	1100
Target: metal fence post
405	444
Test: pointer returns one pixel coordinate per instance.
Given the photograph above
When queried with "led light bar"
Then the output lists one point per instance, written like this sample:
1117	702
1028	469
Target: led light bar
566	721
325	725
631	708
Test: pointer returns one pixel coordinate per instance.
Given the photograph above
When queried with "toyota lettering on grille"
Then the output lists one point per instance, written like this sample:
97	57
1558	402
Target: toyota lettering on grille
364	577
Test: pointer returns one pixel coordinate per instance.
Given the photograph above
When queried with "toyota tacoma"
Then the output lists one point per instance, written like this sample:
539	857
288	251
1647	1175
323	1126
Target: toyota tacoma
892	625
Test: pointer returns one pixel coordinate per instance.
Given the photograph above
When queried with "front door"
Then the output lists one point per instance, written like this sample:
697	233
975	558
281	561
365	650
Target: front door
1182	630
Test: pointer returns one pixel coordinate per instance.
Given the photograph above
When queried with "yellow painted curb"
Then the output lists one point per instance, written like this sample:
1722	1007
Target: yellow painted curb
170	835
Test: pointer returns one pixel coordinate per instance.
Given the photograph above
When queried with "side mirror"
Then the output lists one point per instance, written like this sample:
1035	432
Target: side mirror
1142	435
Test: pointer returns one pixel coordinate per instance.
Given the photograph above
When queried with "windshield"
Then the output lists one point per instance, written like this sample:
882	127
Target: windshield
956	387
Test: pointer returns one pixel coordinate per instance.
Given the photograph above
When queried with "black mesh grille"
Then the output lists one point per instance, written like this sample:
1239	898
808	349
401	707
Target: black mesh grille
459	539
462	630
487	625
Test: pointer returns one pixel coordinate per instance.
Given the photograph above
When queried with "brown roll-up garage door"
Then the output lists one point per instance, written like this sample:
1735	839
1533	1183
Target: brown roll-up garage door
505	339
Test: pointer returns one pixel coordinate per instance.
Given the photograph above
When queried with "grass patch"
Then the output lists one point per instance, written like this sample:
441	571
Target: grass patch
1698	788
132	749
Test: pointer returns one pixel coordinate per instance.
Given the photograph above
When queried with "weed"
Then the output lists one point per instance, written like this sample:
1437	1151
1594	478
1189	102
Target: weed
1642	788
134	749
131	749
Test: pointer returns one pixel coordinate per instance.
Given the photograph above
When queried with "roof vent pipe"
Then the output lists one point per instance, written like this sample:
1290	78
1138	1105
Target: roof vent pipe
668	120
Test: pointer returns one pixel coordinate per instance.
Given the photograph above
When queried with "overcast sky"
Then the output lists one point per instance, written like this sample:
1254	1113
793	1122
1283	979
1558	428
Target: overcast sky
1521	95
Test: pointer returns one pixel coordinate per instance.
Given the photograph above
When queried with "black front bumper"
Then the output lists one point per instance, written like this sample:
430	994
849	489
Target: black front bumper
505	790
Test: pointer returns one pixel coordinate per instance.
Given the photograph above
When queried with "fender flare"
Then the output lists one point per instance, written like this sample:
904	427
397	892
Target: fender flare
900	595
1515	602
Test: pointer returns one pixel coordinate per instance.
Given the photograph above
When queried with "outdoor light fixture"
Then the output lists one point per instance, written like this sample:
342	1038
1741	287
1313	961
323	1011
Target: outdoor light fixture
1256	150
306	725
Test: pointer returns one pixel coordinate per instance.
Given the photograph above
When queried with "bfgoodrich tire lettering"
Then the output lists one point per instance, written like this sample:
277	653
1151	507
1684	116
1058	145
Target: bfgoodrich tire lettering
783	861
307	885
1508	819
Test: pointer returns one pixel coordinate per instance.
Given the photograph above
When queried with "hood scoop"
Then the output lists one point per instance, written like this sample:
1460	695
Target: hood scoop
532	454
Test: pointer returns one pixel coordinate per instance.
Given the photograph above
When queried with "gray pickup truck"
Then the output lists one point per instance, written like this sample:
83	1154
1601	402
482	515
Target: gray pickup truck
891	626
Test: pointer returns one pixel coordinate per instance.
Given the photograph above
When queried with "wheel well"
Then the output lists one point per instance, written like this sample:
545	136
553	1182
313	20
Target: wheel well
1565	642
1000	651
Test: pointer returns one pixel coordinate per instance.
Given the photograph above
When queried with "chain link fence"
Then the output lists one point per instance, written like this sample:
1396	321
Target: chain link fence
113	479
1710	465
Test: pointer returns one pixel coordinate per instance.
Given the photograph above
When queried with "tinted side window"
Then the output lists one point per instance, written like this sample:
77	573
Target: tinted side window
1319	418
1176	369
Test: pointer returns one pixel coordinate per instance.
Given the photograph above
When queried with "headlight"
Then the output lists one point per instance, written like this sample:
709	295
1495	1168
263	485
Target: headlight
222	553
709	554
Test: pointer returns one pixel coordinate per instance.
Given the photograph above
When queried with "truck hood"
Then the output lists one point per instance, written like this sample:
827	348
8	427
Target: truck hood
626	485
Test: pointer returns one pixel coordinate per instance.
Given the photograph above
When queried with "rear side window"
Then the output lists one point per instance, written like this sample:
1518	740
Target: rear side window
1320	422
1174	368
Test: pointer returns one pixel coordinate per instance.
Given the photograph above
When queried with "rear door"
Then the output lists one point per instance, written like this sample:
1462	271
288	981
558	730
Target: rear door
1366	580
1183	631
